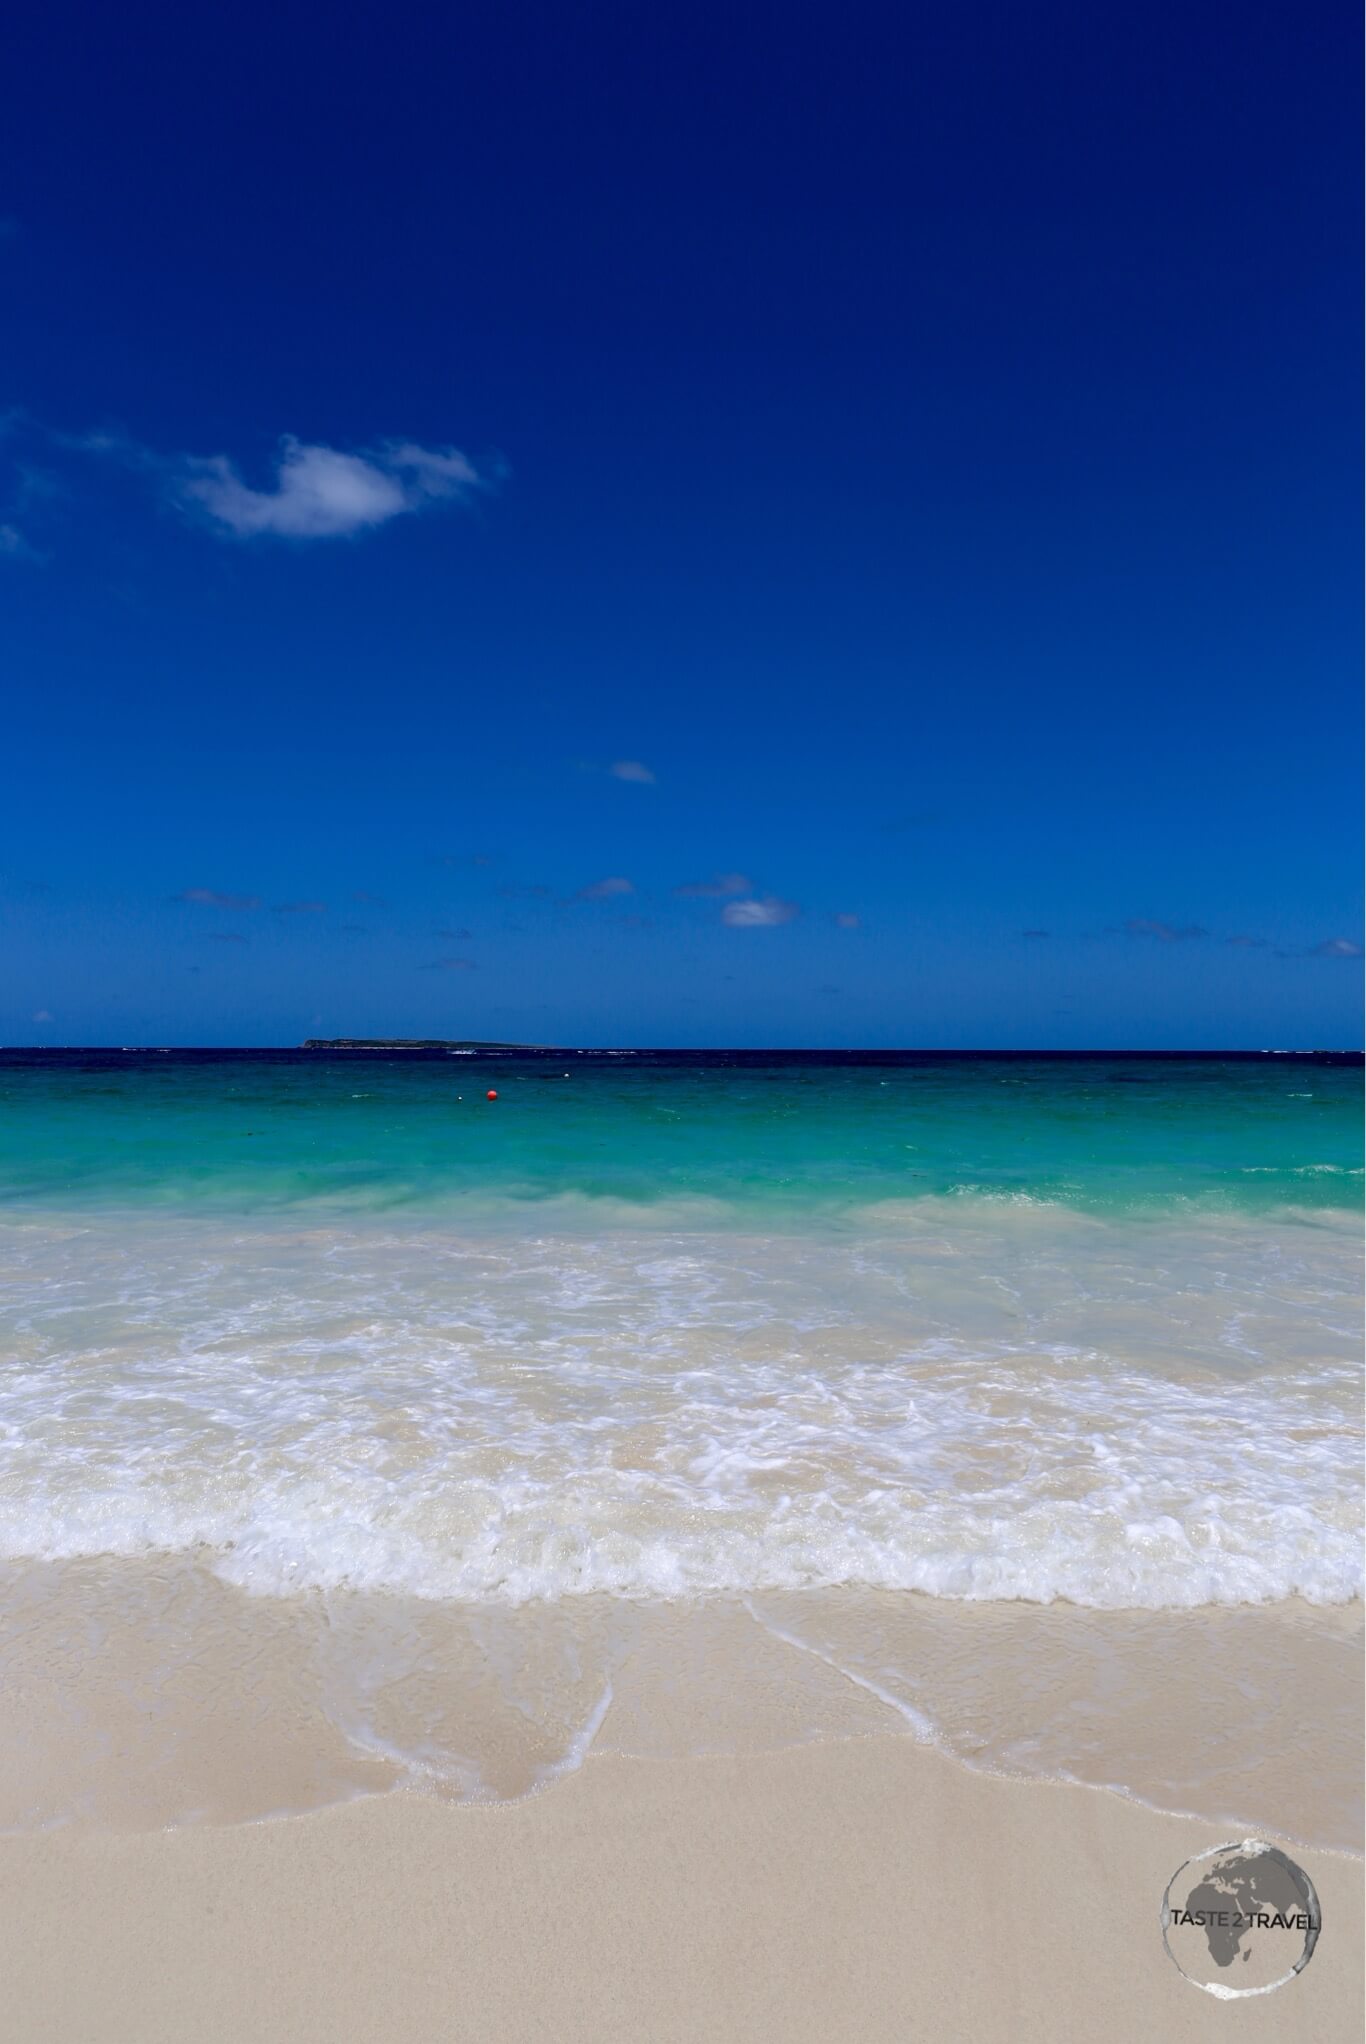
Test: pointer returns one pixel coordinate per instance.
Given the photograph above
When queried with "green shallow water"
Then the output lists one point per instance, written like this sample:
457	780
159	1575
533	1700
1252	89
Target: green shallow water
778	1139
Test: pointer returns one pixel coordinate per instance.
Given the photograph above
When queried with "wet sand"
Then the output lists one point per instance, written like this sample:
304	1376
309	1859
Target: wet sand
141	1695
866	1888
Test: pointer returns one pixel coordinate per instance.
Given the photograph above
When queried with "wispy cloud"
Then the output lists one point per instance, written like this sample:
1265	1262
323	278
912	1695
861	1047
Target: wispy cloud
1036	933
847	920
300	908
323	492
454	936
209	897
631	770
604	890
313	491
1336	947
1165	933
1243	942
762	914
719	884
14	546
28	492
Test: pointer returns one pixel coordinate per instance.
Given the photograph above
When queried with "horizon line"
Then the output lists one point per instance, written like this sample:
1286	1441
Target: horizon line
369	1046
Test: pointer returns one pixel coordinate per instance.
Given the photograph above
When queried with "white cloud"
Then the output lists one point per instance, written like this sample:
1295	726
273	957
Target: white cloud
312	492
603	890
324	493
431	471
1337	947
632	770
43	1015
758	915
846	920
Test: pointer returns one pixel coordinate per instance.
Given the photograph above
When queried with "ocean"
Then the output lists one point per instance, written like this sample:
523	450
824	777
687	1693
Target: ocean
360	1431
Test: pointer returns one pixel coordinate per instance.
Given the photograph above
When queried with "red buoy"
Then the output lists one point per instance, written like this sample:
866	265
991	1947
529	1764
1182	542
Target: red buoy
490	1095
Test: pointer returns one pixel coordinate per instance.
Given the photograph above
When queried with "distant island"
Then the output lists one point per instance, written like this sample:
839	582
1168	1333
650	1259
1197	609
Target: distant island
409	1043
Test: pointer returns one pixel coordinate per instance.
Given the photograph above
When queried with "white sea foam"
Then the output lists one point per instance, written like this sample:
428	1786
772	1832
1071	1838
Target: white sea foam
993	1408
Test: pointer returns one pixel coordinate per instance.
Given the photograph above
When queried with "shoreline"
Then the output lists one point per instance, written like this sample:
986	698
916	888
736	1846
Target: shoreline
870	1887
145	1695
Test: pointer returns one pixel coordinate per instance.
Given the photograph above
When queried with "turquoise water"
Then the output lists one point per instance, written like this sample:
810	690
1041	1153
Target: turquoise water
661	1326
778	1139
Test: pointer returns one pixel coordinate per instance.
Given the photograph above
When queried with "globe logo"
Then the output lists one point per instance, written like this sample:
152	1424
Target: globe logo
1240	1919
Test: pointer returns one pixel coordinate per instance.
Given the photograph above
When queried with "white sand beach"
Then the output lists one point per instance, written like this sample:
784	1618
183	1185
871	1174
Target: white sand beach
867	1888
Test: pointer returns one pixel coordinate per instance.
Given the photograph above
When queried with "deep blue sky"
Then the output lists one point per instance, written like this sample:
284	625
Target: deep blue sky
924	440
